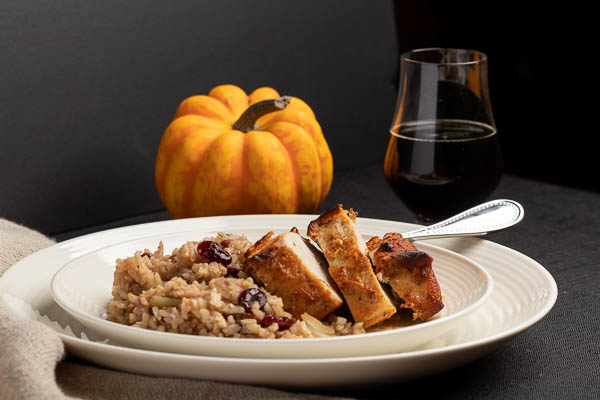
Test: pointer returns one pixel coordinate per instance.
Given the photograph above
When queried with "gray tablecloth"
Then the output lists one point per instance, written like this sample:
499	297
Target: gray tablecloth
557	358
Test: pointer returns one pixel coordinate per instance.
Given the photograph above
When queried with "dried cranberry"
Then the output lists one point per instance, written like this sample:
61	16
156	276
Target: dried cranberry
250	296
233	272
210	251
283	322
268	320
286	323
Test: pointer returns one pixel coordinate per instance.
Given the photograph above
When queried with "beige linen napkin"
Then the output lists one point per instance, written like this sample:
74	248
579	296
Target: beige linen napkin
30	352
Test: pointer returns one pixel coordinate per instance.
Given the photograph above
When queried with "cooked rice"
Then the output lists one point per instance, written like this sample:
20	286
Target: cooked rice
204	299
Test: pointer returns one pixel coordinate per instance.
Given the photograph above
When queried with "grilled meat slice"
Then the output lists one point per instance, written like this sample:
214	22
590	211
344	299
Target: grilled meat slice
336	233
292	268
409	272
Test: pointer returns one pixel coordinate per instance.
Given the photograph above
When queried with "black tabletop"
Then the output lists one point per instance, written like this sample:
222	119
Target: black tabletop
559	357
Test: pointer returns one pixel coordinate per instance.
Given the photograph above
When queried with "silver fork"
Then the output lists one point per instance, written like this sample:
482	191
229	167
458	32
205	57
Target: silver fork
492	216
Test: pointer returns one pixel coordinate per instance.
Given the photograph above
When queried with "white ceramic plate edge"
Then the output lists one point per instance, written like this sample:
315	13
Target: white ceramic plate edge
421	362
162	341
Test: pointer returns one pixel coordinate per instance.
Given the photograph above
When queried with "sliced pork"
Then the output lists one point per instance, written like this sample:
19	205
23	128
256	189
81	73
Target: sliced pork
336	234
409	272
290	267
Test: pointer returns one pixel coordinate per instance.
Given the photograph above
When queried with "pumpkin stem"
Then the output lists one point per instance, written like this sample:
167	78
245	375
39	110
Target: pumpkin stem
248	119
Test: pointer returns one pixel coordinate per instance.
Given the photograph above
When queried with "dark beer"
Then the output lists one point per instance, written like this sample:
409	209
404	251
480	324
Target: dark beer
439	168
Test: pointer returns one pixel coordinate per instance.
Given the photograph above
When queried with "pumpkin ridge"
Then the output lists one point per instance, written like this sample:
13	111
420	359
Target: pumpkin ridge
295	170
188	195
270	186
181	170
313	128
214	183
204	105
245	171
301	147
247	197
262	93
231	97
174	134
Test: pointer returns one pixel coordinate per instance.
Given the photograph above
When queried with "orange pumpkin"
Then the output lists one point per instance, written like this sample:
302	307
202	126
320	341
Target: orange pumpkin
233	153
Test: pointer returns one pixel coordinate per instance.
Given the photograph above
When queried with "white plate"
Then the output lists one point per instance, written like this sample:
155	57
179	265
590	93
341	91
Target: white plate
83	288
524	292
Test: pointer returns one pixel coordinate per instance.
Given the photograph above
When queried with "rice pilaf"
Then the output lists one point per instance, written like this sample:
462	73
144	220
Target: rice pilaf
180	293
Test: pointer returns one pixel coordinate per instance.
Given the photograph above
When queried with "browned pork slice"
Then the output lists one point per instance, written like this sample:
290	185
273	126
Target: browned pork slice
336	233
293	269
409	272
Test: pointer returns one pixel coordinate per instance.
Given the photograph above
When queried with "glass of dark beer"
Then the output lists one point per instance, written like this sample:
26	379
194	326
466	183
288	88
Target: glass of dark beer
443	154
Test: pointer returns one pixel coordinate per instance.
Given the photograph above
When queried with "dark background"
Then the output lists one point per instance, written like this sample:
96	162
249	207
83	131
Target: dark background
87	88
542	78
